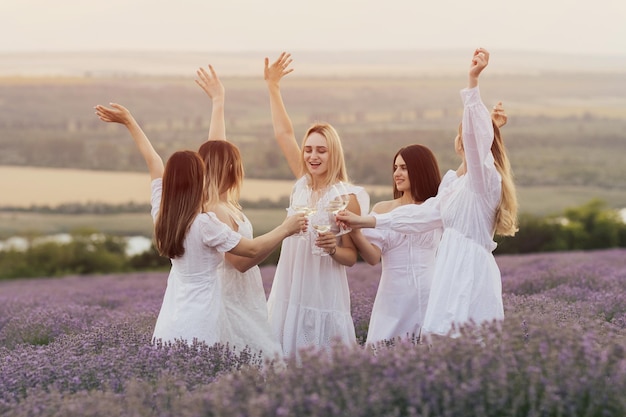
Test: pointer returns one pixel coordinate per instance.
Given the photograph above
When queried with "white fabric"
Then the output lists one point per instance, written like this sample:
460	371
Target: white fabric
246	307
408	264
192	305
467	283
309	303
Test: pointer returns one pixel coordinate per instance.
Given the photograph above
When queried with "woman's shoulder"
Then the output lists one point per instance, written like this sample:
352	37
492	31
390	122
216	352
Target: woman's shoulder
383	207
224	213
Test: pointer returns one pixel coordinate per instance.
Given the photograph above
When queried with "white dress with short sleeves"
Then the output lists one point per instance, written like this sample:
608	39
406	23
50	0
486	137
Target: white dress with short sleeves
309	303
408	265
192	305
246	306
467	284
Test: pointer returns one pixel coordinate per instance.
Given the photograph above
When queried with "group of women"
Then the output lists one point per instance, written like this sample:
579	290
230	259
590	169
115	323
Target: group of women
434	239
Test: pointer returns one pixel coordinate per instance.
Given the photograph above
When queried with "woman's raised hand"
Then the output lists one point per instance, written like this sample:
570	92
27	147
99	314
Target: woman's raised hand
480	60
114	114
498	115
210	83
279	68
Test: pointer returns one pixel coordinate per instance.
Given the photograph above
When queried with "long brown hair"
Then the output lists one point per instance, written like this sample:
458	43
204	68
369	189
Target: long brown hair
423	169
336	162
224	171
181	201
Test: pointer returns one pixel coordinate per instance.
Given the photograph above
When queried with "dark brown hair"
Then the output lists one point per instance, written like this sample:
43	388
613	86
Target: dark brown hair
181	201
423	169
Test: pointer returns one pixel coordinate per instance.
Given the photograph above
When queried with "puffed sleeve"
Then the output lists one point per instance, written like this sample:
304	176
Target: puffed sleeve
447	179
216	234
156	187
362	197
412	218
377	237
477	139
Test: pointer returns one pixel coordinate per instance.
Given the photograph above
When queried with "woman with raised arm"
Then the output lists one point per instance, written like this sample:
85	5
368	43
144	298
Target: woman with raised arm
408	260
474	202
243	295
192	238
309	303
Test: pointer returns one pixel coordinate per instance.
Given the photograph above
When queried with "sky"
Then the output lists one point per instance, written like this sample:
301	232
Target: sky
561	26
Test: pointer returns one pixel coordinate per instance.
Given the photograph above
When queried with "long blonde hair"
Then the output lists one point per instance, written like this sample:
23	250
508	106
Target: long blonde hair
506	213
224	172
336	162
181	202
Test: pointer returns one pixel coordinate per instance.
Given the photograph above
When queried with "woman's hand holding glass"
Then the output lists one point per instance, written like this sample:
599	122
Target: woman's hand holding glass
339	198
326	240
302	202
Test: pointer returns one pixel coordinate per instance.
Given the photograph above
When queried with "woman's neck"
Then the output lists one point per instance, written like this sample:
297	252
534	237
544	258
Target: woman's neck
407	198
317	183
461	170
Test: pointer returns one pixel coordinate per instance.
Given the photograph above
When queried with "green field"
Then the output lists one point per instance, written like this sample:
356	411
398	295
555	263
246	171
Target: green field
566	134
534	200
127	224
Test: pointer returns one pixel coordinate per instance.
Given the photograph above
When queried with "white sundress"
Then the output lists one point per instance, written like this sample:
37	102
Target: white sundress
309	303
245	306
192	305
408	265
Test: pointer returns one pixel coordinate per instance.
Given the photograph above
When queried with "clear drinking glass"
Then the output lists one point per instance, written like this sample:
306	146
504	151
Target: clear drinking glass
321	223
302	202
338	200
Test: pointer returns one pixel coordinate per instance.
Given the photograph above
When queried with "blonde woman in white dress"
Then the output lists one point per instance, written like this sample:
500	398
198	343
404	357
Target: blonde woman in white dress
309	303
474	202
245	321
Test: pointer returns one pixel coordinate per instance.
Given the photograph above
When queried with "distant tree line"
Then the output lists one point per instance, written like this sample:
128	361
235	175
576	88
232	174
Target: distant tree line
86	253
130	207
588	227
591	226
565	145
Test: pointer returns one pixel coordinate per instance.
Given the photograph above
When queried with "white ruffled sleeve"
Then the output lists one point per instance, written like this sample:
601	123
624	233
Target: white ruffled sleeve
412	218
362	197
156	187
477	139
377	237
216	234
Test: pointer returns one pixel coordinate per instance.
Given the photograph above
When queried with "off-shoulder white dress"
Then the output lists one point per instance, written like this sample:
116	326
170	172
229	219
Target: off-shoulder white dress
408	265
467	284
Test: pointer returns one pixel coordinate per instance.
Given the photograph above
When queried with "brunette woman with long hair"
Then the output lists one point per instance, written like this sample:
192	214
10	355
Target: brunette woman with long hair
408	260
194	239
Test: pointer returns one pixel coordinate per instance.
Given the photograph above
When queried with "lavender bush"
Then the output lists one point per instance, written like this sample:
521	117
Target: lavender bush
80	346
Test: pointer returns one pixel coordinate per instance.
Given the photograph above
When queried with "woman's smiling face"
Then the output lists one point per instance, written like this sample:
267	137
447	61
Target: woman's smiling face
315	154
401	175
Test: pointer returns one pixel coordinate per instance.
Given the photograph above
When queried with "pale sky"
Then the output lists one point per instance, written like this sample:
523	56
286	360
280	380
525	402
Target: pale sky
563	26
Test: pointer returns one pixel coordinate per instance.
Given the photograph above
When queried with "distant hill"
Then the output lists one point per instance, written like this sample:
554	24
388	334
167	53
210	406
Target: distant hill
349	63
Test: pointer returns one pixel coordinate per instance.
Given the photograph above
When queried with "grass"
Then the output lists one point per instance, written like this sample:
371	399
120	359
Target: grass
539	201
126	224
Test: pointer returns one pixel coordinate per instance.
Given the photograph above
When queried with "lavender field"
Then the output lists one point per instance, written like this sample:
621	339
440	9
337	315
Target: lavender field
80	346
